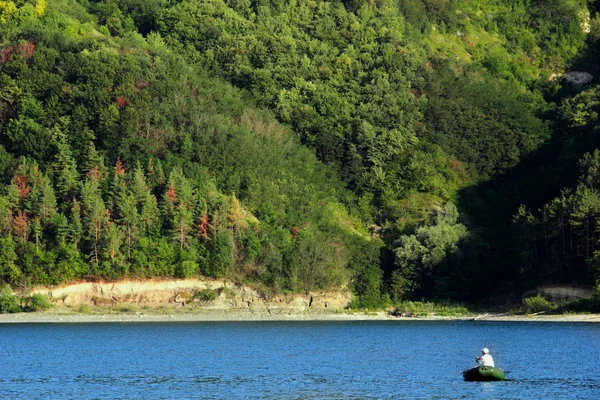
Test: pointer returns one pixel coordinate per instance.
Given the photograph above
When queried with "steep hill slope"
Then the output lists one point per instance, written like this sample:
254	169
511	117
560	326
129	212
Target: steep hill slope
120	159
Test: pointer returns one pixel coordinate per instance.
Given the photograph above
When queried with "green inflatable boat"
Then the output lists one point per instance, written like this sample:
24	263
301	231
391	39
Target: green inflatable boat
484	374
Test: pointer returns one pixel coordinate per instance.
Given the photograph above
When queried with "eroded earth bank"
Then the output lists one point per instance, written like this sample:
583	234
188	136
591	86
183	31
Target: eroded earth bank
199	296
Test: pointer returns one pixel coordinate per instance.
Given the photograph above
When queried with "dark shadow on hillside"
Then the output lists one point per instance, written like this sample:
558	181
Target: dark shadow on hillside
534	182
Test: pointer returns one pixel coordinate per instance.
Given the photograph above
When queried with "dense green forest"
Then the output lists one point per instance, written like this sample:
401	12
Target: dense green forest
413	149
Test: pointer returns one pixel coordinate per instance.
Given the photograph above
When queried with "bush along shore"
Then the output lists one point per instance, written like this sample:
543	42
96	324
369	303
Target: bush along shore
10	303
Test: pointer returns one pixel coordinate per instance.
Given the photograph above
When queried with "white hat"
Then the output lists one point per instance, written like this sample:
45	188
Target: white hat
485	350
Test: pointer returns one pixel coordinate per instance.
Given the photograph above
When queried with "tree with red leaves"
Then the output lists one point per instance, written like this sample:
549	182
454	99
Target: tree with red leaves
121	102
21	225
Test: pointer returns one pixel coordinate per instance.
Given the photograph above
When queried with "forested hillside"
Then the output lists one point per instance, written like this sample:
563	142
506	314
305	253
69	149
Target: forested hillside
119	158
412	149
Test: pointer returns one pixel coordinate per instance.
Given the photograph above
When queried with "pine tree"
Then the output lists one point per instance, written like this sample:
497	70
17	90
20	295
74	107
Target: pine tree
168	204
150	216
65	168
126	208
156	175
139	187
47	204
76	225
94	166
182	225
186	194
146	203
94	217
36	230
112	241
61	228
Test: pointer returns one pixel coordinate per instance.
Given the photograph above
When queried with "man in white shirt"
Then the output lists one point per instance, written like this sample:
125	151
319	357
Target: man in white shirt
486	359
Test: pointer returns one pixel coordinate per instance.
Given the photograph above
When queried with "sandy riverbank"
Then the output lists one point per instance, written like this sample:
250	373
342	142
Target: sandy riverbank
66	316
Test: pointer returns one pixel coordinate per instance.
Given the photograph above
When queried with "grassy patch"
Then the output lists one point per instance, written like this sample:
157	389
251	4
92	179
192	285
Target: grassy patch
85	309
537	304
126	308
228	292
420	308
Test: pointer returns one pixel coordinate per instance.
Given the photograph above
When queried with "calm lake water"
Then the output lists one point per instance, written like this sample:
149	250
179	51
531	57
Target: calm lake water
297	360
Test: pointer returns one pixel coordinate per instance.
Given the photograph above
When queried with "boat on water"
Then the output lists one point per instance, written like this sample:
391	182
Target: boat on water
484	373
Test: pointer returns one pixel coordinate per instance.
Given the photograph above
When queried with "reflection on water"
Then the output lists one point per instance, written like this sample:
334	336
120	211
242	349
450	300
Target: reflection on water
297	360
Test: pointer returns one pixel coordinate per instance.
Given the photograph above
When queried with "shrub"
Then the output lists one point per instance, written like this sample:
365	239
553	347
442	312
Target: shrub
85	309
36	302
537	304
590	305
185	269
425	308
126	308
228	292
205	295
8	301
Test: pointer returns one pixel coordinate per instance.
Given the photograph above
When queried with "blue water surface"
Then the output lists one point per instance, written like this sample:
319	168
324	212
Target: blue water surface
297	360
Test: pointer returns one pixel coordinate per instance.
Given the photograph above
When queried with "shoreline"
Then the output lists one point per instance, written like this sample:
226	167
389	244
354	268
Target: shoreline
210	300
162	316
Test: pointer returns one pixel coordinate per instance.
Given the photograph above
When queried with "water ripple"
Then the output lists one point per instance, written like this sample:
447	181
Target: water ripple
298	361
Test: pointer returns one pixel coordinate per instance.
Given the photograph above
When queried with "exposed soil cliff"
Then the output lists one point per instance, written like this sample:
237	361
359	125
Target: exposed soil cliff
209	295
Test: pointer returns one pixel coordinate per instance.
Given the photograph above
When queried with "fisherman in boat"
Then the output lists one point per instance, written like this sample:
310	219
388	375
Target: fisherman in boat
486	359
485	370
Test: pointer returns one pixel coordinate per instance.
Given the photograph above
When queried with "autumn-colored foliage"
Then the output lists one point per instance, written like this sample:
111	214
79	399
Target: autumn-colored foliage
119	169
203	227
6	53
294	231
121	102
21	224
27	49
172	193
22	183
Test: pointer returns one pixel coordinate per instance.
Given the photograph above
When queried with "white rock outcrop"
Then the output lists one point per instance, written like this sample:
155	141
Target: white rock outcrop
578	78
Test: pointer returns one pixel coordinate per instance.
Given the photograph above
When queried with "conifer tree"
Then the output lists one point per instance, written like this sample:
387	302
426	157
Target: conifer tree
126	211
76	225
47	204
169	203
146	203
155	174
139	186
111	243
65	169
61	228
94	217
94	164
36	230
182	225
150	216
